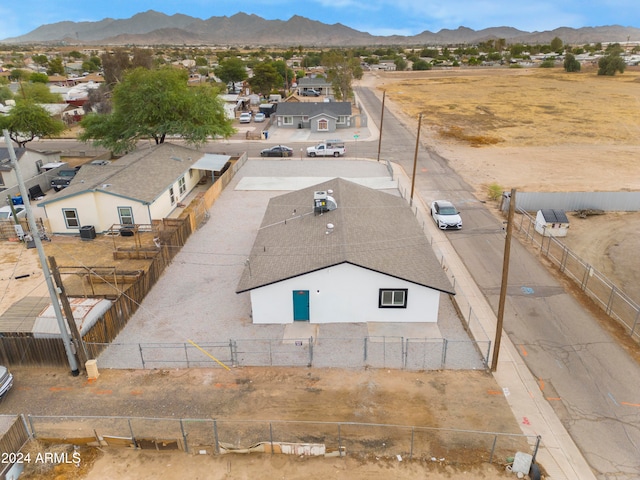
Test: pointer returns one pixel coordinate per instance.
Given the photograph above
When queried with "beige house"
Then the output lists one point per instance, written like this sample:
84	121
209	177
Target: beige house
140	187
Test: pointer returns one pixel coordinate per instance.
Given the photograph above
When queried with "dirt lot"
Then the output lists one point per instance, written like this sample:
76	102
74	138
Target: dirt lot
437	399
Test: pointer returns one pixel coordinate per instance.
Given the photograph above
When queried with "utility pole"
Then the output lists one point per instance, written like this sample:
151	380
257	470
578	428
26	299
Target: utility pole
415	161
68	313
384	95
505	277
73	364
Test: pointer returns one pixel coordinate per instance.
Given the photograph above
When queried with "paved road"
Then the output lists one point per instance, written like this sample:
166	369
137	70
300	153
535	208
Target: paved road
588	378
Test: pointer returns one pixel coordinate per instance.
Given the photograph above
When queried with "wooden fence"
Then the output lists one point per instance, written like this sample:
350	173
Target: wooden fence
12	440
172	233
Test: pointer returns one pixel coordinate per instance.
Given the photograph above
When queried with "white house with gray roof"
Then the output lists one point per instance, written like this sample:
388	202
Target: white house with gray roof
317	116
366	260
140	187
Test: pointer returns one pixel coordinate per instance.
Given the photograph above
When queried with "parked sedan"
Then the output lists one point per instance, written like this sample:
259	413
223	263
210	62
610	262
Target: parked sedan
245	117
259	117
7	214
277	151
446	215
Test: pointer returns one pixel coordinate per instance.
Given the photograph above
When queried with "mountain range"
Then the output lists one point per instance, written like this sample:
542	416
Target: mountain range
241	29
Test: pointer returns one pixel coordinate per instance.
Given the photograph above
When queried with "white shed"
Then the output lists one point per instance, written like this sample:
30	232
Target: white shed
552	223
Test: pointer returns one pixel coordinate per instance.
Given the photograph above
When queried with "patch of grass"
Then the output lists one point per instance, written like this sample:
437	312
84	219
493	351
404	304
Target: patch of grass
494	191
459	134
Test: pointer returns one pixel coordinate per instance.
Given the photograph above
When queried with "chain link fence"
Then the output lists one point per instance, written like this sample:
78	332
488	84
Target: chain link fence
216	436
354	352
593	283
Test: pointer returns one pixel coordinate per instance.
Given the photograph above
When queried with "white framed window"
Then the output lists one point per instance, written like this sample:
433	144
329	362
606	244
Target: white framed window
172	196
287	120
71	217
392	298
126	215
323	125
1	179
182	185
342	119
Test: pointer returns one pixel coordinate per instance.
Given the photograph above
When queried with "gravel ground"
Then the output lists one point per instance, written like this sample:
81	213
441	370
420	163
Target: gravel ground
195	299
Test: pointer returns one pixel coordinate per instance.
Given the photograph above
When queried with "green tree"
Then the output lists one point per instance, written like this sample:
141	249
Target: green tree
76	55
231	70
548	63
571	64
157	103
201	62
265	78
421	65
556	45
5	94
27	121
56	67
40	60
610	64
38	93
342	69
18	75
39	78
400	63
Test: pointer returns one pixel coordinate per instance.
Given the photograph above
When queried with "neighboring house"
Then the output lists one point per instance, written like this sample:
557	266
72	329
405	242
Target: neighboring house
317	116
318	83
140	187
339	252
30	161
552	223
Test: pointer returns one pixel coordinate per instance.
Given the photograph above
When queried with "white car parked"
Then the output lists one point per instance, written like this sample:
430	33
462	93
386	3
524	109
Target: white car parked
245	117
445	215
7	214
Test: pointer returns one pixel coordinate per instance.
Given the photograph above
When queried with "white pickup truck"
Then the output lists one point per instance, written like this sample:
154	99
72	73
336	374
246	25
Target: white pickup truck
330	148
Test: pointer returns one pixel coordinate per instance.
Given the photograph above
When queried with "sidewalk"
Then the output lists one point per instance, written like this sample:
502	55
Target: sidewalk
558	453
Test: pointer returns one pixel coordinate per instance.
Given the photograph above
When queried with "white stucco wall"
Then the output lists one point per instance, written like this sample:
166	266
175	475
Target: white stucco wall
343	294
162	207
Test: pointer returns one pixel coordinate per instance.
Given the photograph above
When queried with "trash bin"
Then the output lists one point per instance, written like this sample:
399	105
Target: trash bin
87	232
266	134
17	200
299	125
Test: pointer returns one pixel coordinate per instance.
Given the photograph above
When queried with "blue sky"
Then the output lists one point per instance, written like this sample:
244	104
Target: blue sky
378	17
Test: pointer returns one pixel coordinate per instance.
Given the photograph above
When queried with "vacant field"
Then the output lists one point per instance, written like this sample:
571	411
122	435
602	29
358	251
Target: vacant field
537	130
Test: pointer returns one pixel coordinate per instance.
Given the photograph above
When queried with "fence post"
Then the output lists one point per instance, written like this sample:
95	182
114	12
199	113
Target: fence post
405	354
613	291
445	342
366	339
215	436
133	437
339	440
232	353
186	353
493	448
184	437
412	435
535	450
32	434
141	355
310	351
271	436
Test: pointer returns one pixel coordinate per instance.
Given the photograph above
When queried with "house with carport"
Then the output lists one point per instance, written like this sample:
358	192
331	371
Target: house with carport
146	185
32	162
340	252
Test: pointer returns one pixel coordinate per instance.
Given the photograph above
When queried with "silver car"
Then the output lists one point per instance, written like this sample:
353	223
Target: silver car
6	380
446	215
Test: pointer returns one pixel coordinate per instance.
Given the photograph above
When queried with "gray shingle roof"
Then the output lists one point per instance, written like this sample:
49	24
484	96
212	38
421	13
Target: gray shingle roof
372	229
143	175
335	109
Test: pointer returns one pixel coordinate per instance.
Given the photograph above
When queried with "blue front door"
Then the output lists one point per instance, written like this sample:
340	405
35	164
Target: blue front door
301	305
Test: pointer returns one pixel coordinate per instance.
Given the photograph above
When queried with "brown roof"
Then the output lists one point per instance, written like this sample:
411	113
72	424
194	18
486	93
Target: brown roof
371	229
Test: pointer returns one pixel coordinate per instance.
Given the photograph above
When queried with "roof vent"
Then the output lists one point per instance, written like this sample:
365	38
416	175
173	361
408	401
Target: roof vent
323	202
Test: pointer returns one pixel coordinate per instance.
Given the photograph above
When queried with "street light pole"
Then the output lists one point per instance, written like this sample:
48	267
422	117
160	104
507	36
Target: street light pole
415	161
53	294
505	277
384	94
